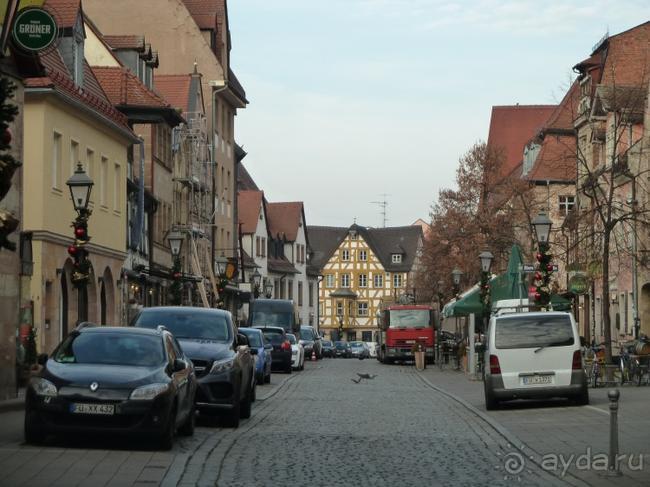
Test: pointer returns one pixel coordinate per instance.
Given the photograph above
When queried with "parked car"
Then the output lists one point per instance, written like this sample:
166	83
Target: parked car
328	348
262	351
372	349
297	353
342	349
281	353
113	380
310	340
224	366
533	355
360	350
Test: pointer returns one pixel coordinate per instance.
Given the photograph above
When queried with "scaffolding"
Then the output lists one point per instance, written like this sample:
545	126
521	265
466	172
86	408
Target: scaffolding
191	213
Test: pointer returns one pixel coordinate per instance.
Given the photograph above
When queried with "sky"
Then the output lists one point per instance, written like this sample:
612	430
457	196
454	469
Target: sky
354	102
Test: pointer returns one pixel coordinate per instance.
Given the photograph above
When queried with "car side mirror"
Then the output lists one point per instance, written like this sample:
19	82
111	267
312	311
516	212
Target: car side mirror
178	365
41	359
241	340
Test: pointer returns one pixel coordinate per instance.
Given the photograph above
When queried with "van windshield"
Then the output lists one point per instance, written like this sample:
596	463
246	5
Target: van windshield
271	318
533	331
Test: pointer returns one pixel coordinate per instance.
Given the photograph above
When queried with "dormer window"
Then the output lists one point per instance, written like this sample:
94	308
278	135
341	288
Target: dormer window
396	258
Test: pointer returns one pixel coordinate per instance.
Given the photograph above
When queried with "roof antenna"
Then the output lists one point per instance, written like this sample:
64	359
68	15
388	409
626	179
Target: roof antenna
383	204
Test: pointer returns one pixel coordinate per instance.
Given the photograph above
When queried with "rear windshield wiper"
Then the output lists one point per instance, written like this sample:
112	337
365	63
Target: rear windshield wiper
554	344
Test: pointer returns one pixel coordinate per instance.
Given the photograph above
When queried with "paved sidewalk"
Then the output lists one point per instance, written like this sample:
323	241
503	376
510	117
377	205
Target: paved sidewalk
13	404
564	436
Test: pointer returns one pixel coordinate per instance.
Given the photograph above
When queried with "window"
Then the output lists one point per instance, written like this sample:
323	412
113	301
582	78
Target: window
90	163
290	289
345	254
299	293
397	280
566	204
366	336
363	255
117	189
263	246
363	280
103	181
258	246
276	288
339	308
362	308
74	156
329	280
311	294
56	161
345	280
352	336
378	280
396	258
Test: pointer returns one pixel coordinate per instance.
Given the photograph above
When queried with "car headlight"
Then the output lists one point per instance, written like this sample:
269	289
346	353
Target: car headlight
43	387
148	392
222	365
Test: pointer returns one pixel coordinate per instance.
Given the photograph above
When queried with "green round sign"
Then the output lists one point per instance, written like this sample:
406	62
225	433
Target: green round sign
578	284
34	29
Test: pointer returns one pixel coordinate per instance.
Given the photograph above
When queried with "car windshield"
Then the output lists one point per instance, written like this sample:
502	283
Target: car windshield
274	337
409	318
187	323
291	338
340	344
111	349
306	334
271	318
327	343
533	331
254	339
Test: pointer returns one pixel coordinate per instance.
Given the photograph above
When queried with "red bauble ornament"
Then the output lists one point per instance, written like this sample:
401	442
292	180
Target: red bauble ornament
72	250
549	267
539	257
177	275
79	232
537	296
6	137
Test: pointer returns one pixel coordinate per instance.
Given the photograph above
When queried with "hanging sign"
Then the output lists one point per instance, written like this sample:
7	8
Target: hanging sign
34	29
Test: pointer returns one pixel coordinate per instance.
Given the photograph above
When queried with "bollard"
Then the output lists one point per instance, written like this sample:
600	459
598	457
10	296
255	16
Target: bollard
612	466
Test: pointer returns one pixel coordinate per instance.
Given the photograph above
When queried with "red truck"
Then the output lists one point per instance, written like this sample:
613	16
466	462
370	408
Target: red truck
401	328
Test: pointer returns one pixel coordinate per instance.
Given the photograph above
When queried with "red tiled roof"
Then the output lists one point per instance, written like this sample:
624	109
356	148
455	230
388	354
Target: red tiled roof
206	13
125	42
175	88
65	11
124	88
556	160
284	218
511	127
249	203
567	111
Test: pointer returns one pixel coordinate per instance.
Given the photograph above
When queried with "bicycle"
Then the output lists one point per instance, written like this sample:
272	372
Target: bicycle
595	366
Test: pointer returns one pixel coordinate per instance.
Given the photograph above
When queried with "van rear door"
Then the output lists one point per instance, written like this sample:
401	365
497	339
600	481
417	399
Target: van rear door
535	349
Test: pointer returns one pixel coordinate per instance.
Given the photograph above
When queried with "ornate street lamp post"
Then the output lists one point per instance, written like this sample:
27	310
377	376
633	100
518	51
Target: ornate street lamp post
80	186
339	315
486	262
542	291
256	280
268	289
456	275
175	239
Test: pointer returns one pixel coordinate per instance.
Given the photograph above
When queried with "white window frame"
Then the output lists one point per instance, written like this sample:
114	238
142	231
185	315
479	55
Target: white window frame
345	280
345	255
362	308
363	280
396	258
329	280
380	278
397	280
363	255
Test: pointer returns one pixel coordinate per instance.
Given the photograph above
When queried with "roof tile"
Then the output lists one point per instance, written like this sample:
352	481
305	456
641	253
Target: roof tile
284	219
124	88
175	88
250	203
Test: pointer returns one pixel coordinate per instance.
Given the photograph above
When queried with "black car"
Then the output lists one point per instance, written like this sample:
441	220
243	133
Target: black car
311	342
281	347
113	380
328	348
342	349
224	365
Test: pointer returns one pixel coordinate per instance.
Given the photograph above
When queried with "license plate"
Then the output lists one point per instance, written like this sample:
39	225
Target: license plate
537	379
78	408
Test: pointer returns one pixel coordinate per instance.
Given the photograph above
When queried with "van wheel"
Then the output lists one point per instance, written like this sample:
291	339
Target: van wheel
583	398
491	402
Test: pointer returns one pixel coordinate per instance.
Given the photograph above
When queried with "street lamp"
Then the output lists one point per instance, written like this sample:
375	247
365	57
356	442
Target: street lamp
542	277
486	262
256	280
175	239
456	275
268	289
221	263
80	186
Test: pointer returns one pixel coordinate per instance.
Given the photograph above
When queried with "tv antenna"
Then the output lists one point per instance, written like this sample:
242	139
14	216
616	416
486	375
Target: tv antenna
383	204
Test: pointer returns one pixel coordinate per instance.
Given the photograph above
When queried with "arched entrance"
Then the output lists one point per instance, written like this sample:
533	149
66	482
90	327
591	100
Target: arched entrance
107	298
644	309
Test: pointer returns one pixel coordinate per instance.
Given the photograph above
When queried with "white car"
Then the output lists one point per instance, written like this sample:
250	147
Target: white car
533	355
372	346
297	353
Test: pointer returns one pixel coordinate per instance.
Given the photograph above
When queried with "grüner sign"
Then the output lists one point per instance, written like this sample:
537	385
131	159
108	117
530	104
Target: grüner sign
34	29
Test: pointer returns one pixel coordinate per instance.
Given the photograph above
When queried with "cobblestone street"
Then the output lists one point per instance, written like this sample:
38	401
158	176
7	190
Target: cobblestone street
312	428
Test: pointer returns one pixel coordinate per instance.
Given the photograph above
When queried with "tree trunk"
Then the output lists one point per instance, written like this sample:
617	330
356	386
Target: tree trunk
605	293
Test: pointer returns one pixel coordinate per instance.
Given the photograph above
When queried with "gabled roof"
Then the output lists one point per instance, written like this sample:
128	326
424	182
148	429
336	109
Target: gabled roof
125	88
628	57
129	42
65	11
511	127
206	13
175	88
285	218
249	207
244	179
323	242
281	265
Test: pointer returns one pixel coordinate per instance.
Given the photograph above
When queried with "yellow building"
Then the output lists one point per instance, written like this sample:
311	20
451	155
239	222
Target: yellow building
362	270
69	120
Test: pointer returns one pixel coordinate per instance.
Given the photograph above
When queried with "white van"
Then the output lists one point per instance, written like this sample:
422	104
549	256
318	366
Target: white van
533	355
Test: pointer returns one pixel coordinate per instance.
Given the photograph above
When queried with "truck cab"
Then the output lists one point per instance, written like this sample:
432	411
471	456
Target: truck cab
403	328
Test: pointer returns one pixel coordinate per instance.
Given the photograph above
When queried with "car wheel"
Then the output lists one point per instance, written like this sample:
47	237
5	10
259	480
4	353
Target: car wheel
583	398
167	435
267	378
491	402
34	433
289	368
245	409
187	428
233	416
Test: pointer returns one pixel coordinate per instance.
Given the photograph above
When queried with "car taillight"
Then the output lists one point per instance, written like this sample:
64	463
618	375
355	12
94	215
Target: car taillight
577	360
495	368
286	345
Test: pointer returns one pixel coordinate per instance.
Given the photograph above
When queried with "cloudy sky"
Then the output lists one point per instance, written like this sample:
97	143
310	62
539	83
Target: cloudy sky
354	99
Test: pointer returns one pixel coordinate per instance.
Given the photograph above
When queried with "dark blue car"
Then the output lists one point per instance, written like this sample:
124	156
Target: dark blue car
257	342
